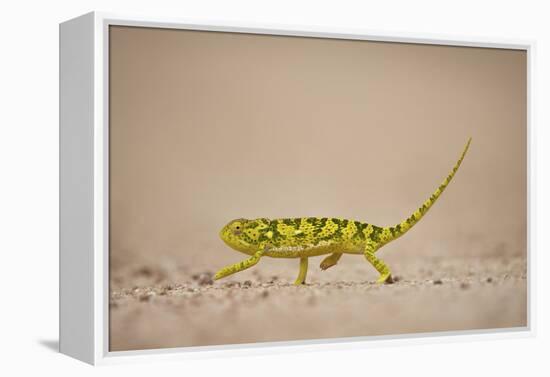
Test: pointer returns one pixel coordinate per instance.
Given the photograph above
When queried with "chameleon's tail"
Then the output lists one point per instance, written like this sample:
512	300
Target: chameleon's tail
402	228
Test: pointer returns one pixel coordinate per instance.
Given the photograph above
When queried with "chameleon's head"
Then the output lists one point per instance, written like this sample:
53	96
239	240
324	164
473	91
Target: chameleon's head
244	235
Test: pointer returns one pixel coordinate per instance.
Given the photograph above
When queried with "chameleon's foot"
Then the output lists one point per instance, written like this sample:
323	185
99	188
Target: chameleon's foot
300	282
379	265
385	279
326	264
330	261
218	275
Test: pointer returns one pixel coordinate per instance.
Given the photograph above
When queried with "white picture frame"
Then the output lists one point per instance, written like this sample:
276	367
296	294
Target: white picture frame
84	156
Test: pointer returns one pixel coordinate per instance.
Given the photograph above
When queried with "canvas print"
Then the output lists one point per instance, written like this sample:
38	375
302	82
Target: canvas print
267	188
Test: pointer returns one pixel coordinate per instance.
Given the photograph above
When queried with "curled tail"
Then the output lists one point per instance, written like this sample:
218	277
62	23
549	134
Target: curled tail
402	228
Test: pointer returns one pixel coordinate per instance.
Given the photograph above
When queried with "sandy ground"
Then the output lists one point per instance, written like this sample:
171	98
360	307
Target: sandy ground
177	306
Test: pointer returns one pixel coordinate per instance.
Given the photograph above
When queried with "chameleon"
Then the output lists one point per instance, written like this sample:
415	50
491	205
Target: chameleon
305	237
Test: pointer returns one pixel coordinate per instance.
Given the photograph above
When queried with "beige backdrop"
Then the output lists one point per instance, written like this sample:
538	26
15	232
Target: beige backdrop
206	127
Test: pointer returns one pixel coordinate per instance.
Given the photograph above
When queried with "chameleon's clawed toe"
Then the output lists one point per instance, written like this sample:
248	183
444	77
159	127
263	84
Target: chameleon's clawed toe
330	261
385	279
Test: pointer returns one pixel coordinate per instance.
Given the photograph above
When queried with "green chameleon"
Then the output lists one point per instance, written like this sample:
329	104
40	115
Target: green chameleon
306	237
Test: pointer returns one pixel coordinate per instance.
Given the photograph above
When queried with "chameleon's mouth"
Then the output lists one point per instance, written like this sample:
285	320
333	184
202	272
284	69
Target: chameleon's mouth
234	242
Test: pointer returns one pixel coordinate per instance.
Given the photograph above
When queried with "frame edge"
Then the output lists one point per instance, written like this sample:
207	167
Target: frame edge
76	195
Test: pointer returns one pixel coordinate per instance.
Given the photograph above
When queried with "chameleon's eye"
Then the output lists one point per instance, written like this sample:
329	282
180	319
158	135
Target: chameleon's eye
237	226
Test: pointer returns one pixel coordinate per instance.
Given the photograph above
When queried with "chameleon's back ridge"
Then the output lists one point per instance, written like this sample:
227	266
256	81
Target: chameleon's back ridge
306	237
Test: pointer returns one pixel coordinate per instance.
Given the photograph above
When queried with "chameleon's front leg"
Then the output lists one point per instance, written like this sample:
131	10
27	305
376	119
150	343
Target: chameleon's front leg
381	267
301	279
237	267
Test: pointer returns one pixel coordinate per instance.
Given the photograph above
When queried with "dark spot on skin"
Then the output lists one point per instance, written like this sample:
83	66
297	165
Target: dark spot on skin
263	235
288	222
276	235
337	234
360	226
359	230
245	237
375	235
319	226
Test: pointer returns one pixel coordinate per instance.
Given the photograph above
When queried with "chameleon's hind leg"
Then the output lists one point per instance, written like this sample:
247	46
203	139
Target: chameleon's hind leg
330	261
237	267
381	267
301	279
